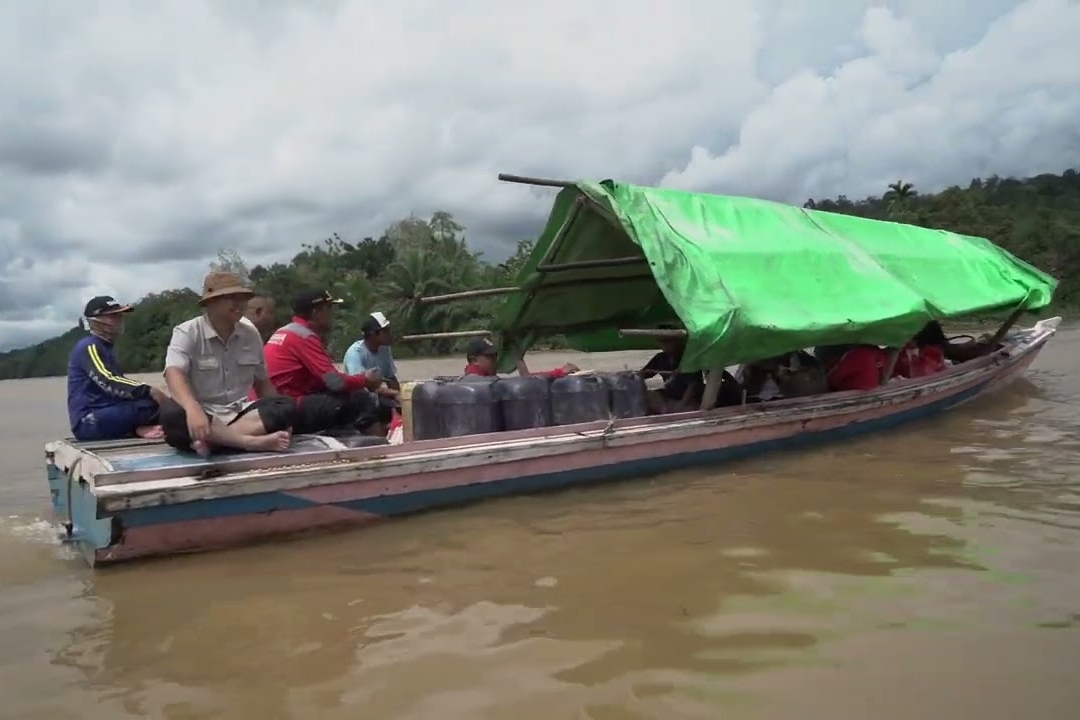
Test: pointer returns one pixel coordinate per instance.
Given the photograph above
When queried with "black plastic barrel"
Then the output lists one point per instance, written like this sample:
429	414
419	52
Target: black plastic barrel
468	406
525	402
579	399
628	394
426	423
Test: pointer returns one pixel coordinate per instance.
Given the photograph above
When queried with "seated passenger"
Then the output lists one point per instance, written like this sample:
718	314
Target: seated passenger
853	367
213	362
683	391
102	403
373	353
300	367
924	354
481	358
260	313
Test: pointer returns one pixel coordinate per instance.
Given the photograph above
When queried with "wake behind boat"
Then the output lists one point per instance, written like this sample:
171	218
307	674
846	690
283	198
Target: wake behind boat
742	279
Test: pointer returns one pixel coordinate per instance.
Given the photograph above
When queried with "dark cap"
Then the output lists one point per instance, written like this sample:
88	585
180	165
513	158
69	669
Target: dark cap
308	300
376	323
104	305
480	346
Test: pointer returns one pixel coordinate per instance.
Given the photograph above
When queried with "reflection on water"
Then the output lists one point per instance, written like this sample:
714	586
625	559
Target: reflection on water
928	573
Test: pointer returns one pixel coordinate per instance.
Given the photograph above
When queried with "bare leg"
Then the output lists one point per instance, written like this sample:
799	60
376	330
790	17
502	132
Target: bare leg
247	433
656	402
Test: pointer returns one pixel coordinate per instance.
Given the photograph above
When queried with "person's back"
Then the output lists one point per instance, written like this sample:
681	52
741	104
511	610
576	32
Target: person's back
858	368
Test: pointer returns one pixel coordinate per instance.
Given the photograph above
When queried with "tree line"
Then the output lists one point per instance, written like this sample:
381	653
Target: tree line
1037	219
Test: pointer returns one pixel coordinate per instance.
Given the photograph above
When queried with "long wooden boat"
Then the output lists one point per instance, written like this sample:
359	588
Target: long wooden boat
743	279
130	499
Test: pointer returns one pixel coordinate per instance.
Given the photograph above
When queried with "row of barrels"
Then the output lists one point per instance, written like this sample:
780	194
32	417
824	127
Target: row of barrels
470	405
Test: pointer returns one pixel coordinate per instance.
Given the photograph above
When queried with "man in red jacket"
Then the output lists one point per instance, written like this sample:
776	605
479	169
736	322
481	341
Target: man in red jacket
300	367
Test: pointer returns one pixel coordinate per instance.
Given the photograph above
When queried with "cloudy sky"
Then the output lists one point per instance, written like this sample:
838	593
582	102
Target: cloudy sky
139	136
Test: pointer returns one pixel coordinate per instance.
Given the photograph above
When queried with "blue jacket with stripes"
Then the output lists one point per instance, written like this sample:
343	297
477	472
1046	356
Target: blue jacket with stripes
95	380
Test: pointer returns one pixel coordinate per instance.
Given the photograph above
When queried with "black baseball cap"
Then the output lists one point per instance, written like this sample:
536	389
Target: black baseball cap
104	305
374	324
480	346
308	300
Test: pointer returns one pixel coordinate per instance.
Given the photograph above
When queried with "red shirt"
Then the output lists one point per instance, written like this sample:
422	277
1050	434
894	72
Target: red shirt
915	361
471	369
297	361
858	369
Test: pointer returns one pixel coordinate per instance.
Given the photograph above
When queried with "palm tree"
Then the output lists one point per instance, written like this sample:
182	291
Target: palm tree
899	196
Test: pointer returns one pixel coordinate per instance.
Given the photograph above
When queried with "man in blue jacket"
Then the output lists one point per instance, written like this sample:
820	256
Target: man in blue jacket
102	403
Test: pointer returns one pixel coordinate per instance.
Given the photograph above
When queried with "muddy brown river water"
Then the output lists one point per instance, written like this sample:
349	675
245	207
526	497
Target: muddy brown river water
930	573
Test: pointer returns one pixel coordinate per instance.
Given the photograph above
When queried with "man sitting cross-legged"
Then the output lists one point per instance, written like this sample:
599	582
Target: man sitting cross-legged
212	364
301	368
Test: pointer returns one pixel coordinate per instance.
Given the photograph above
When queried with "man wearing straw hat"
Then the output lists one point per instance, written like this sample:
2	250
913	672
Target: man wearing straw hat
212	364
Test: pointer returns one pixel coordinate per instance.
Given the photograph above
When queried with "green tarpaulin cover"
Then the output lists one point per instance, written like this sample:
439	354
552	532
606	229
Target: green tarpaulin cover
748	278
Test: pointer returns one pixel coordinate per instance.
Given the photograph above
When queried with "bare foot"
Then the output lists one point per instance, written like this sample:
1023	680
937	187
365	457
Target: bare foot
202	448
150	432
274	442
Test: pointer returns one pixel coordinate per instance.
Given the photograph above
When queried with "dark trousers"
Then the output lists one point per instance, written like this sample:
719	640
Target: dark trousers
324	411
276	413
116	422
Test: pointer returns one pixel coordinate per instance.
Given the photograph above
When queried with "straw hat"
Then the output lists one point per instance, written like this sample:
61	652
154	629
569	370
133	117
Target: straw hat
220	284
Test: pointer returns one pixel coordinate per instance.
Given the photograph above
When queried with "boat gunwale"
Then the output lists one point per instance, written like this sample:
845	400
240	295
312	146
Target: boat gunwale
148	492
98	472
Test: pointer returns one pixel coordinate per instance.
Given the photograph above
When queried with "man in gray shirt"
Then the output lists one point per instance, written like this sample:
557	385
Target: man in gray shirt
213	364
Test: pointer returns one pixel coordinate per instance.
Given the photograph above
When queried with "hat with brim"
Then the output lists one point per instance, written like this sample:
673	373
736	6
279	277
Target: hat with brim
223	284
480	347
375	324
104	305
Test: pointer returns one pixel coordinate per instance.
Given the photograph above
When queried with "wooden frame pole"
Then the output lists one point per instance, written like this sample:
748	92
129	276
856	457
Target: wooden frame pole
467	295
654	333
539	182
445	335
588	264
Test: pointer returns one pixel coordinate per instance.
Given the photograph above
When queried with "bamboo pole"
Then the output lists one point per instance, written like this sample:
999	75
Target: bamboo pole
551	285
712	387
541	182
467	295
652	332
598	263
1006	326
445	335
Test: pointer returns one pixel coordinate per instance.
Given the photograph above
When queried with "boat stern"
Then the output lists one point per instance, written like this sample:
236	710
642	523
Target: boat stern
68	469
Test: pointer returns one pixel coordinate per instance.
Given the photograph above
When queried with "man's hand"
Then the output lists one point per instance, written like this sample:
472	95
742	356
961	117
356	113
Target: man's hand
158	395
198	424
570	368
387	391
374	378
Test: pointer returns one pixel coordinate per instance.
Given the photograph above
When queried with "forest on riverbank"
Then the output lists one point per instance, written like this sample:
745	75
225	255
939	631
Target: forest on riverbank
1037	219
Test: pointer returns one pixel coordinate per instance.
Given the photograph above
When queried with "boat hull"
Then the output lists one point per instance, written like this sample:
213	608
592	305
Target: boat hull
147	515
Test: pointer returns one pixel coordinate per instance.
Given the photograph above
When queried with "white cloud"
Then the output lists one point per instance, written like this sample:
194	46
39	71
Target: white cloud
137	138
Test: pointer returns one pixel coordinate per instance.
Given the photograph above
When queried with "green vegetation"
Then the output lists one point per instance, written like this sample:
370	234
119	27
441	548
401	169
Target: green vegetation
1037	219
